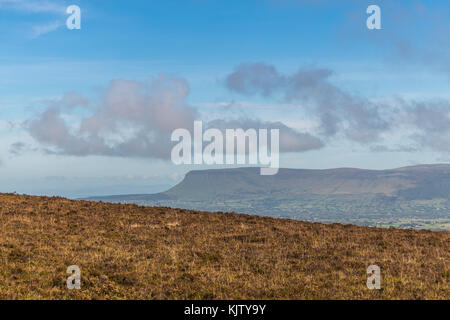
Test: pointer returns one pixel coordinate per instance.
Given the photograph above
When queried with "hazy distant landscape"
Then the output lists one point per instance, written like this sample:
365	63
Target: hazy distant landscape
410	197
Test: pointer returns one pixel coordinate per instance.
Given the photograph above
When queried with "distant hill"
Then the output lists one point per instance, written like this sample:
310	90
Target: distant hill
417	192
132	252
415	182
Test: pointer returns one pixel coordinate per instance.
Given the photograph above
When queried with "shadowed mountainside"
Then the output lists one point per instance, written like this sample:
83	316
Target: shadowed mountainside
409	197
418	182
131	252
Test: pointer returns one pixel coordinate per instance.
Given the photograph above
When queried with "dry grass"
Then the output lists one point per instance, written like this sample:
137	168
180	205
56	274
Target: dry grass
132	252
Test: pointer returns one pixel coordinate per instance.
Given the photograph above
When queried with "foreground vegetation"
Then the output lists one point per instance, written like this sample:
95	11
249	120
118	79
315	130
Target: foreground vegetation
131	252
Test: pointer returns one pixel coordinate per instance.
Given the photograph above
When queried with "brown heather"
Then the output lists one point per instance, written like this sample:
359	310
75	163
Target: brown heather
132	252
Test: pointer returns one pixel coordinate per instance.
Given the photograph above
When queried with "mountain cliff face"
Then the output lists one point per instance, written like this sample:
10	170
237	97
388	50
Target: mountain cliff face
416	196
418	182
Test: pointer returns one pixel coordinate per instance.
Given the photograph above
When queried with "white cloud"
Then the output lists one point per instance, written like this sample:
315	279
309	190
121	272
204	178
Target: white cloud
45	28
54	8
33	6
133	119
248	104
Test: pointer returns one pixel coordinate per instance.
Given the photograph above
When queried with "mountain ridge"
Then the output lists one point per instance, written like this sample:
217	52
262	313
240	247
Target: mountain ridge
325	177
407	197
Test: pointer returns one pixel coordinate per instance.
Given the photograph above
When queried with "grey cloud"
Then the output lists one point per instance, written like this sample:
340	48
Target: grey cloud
432	116
433	141
134	119
17	148
342	113
254	78
290	139
339	111
432	123
398	148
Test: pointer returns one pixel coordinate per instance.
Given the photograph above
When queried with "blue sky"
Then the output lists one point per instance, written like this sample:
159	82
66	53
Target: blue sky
402	69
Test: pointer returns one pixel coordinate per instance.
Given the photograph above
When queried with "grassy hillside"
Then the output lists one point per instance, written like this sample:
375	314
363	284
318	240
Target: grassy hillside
127	251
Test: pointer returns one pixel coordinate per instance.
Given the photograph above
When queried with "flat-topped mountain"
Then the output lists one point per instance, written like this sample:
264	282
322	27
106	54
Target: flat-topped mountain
419	182
332	195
